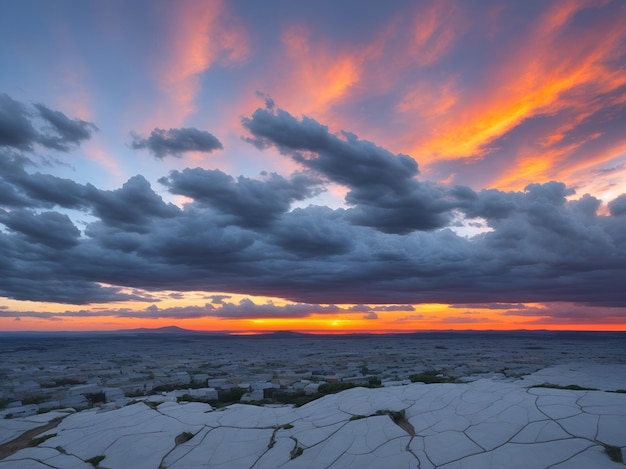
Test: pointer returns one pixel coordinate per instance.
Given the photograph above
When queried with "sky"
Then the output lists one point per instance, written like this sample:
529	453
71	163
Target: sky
353	166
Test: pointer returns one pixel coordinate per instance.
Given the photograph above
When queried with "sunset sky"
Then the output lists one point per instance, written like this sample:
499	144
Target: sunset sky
314	166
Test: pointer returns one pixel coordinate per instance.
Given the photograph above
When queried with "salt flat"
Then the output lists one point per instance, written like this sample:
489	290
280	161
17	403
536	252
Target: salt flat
480	424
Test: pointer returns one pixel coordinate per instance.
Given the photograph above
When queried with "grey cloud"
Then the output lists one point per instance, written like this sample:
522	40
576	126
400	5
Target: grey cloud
62	291
371	315
411	317
244	309
313	232
252	203
65	132
348	161
269	102
154	312
496	306
367	309
617	207
424	207
132	207
563	313
241	236
50	228
539	253
10	197
37	189
394	308
17	130
175	142
218	299
383	188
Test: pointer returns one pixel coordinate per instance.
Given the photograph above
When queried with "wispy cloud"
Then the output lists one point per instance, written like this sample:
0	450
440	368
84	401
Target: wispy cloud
199	35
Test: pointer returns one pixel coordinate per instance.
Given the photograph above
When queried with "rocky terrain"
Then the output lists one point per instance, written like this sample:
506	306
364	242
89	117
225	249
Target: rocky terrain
479	424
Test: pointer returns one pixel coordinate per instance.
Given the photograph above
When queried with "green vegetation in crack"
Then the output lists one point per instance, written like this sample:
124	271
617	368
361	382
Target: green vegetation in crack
95	460
614	453
432	377
569	387
41	439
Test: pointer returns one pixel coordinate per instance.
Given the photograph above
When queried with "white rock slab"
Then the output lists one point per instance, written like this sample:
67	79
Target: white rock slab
356	402
588	375
524	456
24	464
484	424
12	428
449	446
225	447
612	430
583	425
537	432
593	457
490	435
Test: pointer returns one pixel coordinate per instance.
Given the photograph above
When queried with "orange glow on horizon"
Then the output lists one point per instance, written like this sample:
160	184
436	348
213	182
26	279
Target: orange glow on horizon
425	317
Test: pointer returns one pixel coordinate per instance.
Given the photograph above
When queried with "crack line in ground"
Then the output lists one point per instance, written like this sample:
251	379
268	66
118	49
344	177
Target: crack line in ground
34	459
571	457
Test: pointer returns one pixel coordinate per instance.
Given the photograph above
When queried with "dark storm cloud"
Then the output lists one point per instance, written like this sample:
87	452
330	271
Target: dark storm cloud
65	132
76	292
50	228
253	203
58	133
175	142
241	236
16	129
24	189
131	207
541	252
383	189
617	207
497	306
348	161
313	232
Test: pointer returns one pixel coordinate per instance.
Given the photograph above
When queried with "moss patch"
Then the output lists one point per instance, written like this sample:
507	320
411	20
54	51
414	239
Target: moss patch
569	387
95	460
614	453
41	439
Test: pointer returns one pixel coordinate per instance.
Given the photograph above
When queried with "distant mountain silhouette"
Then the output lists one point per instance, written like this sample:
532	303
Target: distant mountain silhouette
287	334
160	330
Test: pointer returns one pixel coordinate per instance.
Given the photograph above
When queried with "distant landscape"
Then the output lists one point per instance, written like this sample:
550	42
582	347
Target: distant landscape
268	367
90	397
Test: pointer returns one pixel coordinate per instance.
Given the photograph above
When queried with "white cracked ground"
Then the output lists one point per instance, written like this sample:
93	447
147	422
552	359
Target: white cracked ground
482	424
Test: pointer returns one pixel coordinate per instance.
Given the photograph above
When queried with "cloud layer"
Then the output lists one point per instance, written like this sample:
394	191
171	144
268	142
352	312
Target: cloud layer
394	244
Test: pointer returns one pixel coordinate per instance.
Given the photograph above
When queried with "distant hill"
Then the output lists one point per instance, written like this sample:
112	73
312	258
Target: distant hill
160	330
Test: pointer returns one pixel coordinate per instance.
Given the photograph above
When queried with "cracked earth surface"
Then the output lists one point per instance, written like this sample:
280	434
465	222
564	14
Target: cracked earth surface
482	424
